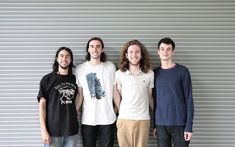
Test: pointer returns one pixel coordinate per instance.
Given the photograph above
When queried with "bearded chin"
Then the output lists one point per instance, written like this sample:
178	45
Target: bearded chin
64	67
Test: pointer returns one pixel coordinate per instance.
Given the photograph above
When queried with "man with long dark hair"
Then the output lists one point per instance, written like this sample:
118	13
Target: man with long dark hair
134	83
57	97
95	78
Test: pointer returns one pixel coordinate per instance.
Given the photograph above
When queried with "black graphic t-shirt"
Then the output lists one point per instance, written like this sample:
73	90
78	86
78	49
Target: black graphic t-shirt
60	92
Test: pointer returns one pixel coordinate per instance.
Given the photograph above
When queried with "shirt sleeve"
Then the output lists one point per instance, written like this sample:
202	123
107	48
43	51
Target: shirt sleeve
113	70
117	80
189	102
42	87
77	75
151	84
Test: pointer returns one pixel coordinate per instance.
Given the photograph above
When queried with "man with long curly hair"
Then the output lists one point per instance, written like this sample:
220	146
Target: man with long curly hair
134	83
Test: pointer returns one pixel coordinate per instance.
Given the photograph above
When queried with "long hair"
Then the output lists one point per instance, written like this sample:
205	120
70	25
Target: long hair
145	62
56	64
88	56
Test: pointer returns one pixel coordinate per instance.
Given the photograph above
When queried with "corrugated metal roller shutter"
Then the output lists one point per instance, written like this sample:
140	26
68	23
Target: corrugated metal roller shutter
31	31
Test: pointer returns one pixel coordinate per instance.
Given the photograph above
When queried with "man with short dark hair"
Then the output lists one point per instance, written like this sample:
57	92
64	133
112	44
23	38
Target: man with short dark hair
174	108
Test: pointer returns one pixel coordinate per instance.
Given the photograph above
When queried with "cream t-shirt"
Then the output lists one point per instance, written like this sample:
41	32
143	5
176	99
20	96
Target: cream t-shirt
134	91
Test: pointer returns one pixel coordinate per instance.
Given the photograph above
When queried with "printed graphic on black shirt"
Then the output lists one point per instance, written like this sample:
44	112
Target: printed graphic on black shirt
94	86
67	92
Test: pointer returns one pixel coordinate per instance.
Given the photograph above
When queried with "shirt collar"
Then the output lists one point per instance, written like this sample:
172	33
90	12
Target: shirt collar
138	73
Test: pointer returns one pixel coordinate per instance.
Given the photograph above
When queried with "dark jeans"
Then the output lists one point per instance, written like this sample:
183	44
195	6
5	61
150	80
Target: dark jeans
105	133
167	134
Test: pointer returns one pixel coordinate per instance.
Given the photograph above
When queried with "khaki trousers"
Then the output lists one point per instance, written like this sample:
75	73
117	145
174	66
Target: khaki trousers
133	133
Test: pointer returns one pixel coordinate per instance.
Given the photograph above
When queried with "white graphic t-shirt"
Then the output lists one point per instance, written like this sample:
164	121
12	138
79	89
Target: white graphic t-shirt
97	83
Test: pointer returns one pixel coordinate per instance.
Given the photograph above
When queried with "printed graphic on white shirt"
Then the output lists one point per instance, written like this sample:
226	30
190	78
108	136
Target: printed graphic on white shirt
94	86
